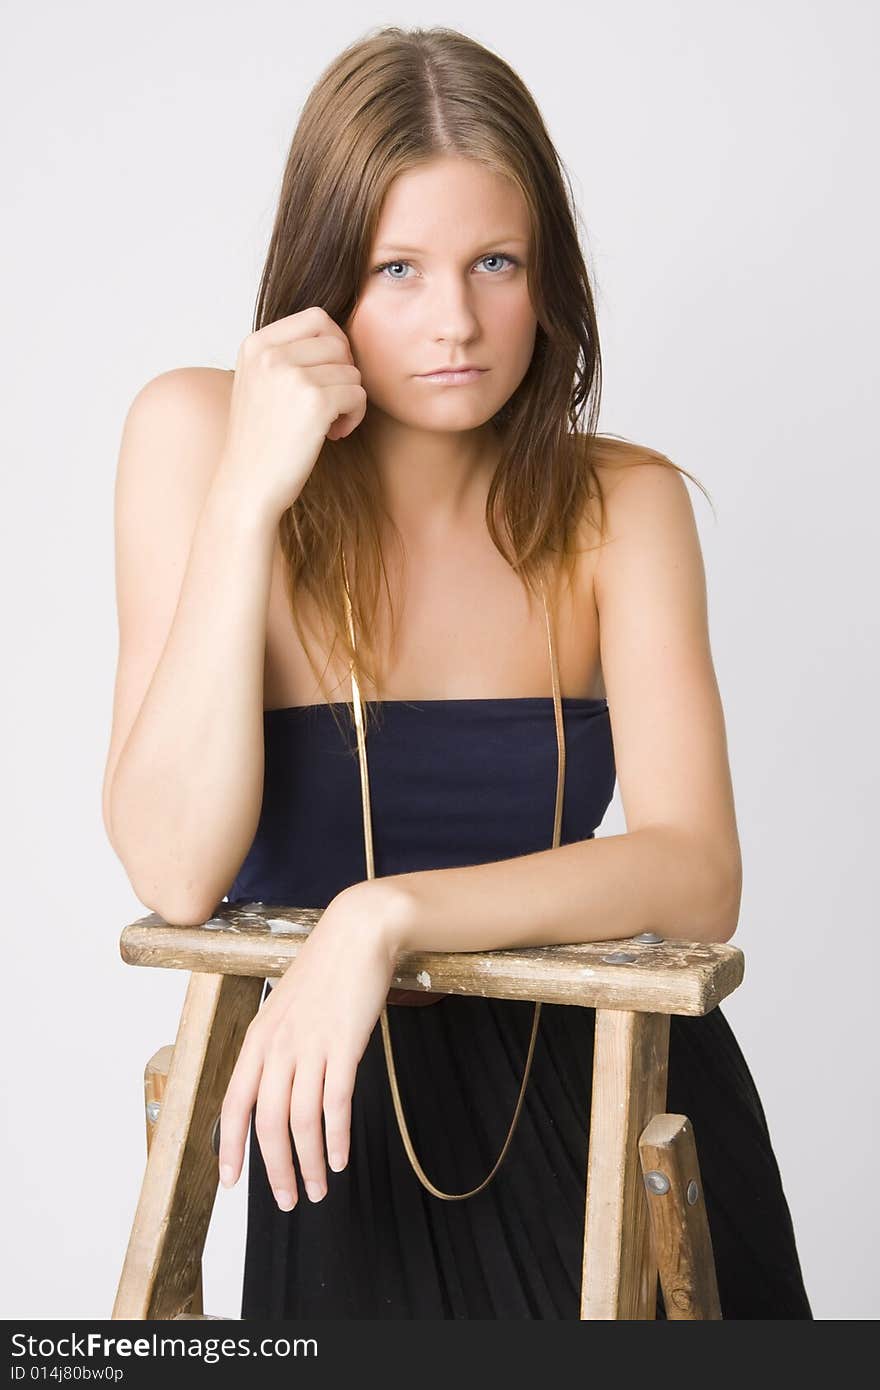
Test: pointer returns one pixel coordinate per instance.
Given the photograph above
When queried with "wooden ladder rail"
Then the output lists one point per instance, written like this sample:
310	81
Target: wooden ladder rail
645	1216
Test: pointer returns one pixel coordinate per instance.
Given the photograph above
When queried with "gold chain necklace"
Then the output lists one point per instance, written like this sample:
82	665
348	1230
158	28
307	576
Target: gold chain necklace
368	846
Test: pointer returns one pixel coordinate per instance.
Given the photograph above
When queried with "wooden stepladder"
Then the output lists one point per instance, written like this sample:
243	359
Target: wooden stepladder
645	1213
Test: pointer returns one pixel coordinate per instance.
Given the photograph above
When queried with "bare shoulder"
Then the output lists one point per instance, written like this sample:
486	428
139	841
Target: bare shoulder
638	500
174	432
633	471
197	392
645	506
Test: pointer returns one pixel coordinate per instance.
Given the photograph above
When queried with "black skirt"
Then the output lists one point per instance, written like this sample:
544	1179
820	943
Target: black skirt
379	1245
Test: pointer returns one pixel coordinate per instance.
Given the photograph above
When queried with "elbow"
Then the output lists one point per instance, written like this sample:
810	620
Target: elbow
712	886
725	917
177	910
724	928
705	885
184	915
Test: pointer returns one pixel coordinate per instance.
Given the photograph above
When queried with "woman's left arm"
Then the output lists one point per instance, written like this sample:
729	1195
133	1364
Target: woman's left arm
677	870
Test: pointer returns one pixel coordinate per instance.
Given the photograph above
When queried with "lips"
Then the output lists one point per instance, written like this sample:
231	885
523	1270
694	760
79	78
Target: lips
449	371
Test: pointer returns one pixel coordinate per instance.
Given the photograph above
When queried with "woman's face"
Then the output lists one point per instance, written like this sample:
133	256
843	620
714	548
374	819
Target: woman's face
453	237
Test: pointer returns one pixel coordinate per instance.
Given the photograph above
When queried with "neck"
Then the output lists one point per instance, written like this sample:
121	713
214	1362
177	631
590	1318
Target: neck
430	480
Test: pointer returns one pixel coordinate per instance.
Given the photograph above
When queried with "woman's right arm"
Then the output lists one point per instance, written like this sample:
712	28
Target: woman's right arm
184	779
206	469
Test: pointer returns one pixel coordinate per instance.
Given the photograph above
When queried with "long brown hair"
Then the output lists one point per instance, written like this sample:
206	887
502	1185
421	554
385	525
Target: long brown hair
389	102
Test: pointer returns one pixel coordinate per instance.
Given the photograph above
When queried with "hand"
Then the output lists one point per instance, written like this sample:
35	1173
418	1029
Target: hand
295	385
302	1048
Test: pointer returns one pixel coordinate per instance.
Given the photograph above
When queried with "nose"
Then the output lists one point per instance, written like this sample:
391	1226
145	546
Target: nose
450	309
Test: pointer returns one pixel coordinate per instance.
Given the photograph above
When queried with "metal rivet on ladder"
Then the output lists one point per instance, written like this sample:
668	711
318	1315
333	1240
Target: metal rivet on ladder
153	1109
215	1136
619	958
656	1181
693	1192
648	936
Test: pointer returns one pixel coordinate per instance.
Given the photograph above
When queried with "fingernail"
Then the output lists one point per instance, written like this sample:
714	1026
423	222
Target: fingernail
337	1162
226	1175
284	1200
315	1191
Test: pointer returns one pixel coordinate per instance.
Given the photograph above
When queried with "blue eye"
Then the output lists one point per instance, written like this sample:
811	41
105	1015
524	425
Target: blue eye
490	256
386	265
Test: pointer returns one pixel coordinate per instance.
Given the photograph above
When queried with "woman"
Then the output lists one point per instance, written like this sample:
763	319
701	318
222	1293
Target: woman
424	226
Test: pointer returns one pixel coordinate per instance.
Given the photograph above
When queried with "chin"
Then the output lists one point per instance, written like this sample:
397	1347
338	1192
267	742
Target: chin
445	416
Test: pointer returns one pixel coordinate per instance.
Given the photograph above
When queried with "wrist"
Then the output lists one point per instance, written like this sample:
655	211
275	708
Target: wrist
386	906
238	505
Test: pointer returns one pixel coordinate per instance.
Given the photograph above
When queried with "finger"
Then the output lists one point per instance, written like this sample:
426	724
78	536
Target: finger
338	1089
238	1102
272	1123
306	1102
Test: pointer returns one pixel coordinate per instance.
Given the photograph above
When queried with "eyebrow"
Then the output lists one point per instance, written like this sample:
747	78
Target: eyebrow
419	250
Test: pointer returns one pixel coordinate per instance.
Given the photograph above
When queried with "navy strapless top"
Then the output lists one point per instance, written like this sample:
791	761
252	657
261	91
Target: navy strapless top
452	782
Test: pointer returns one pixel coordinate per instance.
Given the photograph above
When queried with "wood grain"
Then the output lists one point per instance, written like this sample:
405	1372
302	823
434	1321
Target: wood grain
163	1260
670	977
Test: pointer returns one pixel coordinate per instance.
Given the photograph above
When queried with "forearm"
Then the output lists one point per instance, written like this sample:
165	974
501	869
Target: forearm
604	889
187	790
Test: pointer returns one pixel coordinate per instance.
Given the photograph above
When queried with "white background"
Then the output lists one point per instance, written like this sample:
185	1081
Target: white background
721	156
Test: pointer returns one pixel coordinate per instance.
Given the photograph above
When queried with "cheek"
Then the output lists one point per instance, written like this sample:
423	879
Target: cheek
371	337
380	355
517	327
387	349
520	316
